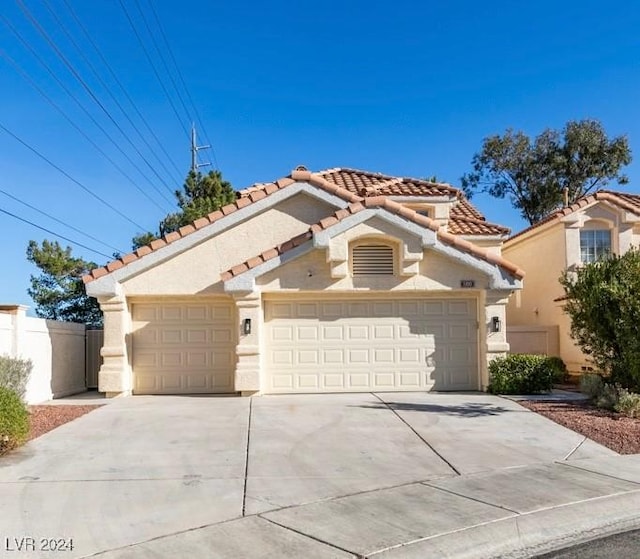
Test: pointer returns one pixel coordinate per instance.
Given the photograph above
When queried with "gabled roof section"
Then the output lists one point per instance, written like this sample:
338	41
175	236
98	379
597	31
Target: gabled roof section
375	202
464	219
624	200
350	185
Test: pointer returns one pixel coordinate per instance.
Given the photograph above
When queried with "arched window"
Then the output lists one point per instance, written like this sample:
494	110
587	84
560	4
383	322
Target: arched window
594	244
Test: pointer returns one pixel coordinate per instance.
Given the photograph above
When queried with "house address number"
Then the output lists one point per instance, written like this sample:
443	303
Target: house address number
467	283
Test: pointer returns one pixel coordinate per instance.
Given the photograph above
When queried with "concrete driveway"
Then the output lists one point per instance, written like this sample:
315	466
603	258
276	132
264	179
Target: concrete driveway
229	477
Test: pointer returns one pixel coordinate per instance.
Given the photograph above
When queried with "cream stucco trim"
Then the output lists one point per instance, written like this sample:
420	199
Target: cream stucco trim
107	285
499	279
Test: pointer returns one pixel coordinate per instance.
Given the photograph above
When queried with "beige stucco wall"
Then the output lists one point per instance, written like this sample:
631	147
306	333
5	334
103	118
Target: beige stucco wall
198	269
543	259
544	254
56	349
311	272
437	275
195	272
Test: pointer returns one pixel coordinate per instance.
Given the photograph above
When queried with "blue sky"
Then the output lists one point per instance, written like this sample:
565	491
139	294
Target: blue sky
405	88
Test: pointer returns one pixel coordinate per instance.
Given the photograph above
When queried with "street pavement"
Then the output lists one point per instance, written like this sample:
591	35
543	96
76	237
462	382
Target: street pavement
466	475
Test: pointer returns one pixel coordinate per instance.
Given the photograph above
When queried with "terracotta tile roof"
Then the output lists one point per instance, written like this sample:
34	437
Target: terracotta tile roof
344	183
459	225
464	209
464	218
375	202
624	200
365	183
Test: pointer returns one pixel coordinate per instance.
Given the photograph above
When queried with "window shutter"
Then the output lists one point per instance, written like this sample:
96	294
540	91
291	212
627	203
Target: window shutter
372	260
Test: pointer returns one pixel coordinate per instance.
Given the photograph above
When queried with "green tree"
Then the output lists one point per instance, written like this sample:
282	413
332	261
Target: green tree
534	173
58	291
603	305
200	195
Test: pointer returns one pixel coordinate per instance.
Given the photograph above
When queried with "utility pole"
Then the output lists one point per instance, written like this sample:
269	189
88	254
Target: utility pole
195	148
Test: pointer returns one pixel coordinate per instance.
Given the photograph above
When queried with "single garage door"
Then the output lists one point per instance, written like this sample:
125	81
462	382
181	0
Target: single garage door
371	345
183	348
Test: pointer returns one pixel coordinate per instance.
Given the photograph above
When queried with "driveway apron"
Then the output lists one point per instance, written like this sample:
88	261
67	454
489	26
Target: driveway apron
313	447
477	432
135	469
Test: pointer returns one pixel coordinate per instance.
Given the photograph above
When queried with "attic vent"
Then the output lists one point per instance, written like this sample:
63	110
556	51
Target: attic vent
372	260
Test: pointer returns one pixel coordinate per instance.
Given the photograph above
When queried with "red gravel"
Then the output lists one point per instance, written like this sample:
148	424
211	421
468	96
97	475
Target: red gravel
610	429
43	419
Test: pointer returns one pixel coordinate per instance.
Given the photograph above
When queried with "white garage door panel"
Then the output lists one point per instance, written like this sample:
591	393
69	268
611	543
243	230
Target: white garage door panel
183	348
347	346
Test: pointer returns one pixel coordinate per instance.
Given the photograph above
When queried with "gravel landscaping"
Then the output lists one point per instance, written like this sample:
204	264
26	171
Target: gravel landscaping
43	419
610	429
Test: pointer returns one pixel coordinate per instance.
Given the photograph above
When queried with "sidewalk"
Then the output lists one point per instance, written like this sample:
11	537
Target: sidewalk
516	512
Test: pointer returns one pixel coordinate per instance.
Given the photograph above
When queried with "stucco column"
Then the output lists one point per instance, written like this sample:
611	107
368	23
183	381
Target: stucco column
247	376
114	377
497	345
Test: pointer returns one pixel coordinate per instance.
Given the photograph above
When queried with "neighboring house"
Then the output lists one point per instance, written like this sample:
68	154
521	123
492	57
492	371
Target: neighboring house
598	224
337	281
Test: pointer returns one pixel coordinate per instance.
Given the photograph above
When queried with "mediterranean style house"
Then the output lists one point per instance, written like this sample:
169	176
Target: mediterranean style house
335	281
598	224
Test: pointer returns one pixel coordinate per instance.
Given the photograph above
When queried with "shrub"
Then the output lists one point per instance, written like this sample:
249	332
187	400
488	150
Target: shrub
610	396
602	303
607	398
560	373
520	373
14	374
628	403
591	384
14	420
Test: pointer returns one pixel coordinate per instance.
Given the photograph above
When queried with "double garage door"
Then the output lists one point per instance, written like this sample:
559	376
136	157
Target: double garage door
310	345
183	347
364	345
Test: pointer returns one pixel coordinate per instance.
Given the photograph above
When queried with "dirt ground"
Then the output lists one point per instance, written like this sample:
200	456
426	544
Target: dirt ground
610	429
43	419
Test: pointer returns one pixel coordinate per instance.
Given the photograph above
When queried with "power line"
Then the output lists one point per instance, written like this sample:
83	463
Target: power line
62	171
58	220
53	74
182	80
72	123
104	85
153	67
120	85
54	234
163	61
89	91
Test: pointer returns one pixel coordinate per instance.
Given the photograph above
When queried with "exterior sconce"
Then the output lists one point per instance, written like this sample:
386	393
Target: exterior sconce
496	324
246	326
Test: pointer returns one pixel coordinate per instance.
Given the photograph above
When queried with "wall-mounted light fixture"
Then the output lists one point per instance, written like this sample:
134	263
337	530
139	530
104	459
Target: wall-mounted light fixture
496	324
246	326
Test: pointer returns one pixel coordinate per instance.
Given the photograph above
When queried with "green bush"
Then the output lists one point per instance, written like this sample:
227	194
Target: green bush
601	299
628	403
560	373
14	374
520	373
608	396
14	420
591	384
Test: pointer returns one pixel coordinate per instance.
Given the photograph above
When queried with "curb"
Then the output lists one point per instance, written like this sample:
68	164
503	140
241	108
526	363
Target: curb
530	534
